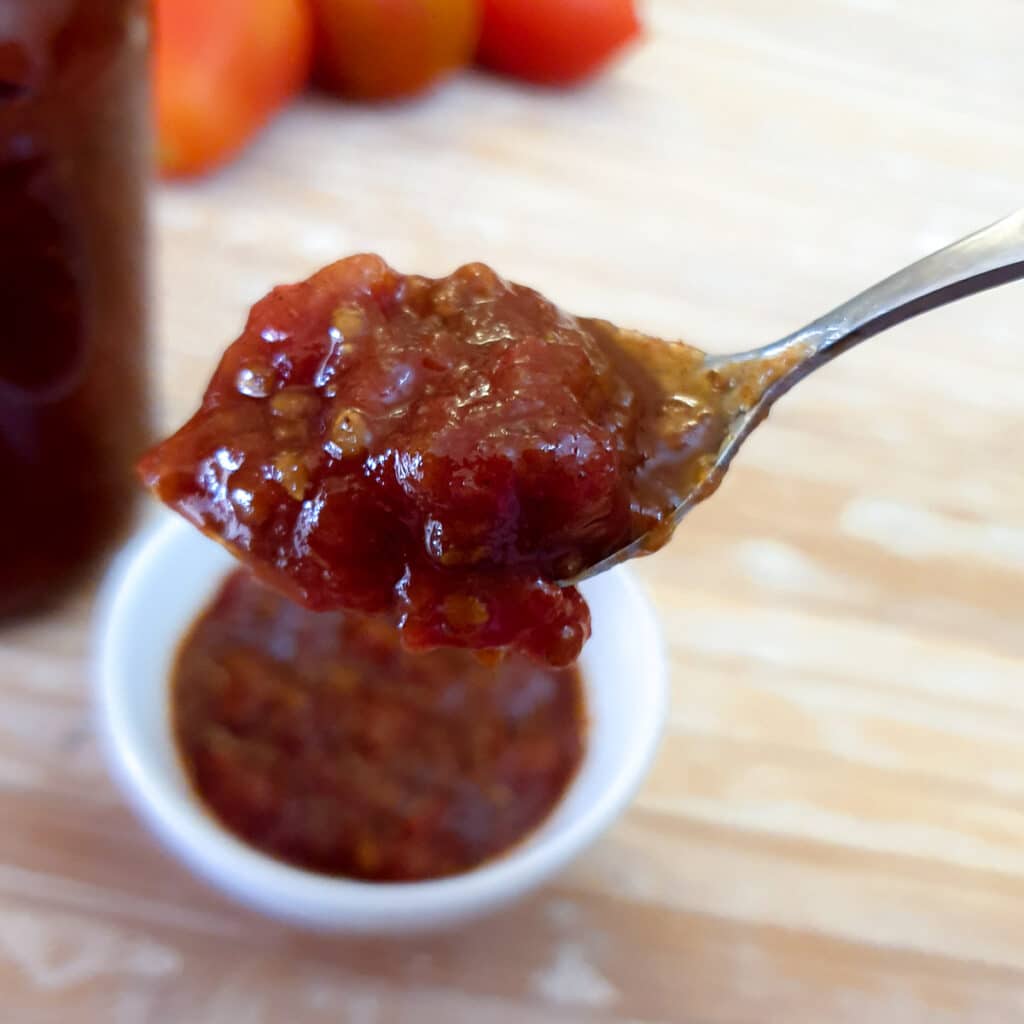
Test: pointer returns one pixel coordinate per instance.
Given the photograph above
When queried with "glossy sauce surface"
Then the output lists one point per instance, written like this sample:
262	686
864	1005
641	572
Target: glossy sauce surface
445	449
320	740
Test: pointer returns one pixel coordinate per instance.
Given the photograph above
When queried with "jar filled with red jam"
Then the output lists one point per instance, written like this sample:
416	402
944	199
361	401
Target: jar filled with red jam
74	161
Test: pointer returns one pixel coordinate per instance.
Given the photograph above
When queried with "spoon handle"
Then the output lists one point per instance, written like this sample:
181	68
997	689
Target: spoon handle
990	257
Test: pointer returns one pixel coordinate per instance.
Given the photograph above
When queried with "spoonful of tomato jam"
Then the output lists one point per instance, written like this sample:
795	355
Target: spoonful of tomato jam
458	452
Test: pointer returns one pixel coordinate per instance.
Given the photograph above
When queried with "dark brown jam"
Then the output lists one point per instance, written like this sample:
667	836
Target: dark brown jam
73	165
318	739
441	450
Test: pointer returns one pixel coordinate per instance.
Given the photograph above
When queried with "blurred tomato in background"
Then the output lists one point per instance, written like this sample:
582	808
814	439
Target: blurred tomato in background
386	49
223	67
555	42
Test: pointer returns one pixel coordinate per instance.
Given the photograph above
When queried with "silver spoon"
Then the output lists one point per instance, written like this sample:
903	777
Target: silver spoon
990	257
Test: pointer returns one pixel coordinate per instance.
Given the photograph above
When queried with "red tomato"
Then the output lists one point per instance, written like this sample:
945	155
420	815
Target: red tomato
554	42
223	67
383	49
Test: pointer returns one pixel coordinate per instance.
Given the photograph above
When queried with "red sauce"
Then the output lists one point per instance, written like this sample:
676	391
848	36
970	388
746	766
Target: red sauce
73	165
319	740
446	450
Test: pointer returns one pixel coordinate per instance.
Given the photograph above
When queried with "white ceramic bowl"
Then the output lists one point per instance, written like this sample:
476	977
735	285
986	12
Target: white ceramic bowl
157	588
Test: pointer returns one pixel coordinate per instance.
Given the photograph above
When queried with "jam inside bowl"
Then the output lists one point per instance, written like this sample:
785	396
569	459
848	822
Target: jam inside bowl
319	738
151	599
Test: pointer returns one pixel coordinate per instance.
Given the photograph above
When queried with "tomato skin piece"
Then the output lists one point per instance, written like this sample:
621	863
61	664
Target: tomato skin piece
222	69
555	42
387	49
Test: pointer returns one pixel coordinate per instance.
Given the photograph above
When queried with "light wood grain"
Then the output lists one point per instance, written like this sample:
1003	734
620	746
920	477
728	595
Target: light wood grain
834	828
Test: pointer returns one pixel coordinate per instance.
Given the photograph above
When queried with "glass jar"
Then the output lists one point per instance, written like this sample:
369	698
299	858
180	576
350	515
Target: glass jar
74	162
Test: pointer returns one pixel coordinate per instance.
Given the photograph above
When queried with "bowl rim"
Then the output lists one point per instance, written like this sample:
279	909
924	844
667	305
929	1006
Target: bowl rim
321	901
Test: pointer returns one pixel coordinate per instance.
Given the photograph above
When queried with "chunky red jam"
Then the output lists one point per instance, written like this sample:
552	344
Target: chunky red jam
444	449
319	740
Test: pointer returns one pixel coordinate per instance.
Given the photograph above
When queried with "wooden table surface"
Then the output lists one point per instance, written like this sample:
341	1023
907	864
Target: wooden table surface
834	828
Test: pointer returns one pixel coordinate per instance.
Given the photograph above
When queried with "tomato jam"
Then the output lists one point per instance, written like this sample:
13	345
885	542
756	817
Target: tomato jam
73	164
443	449
320	740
